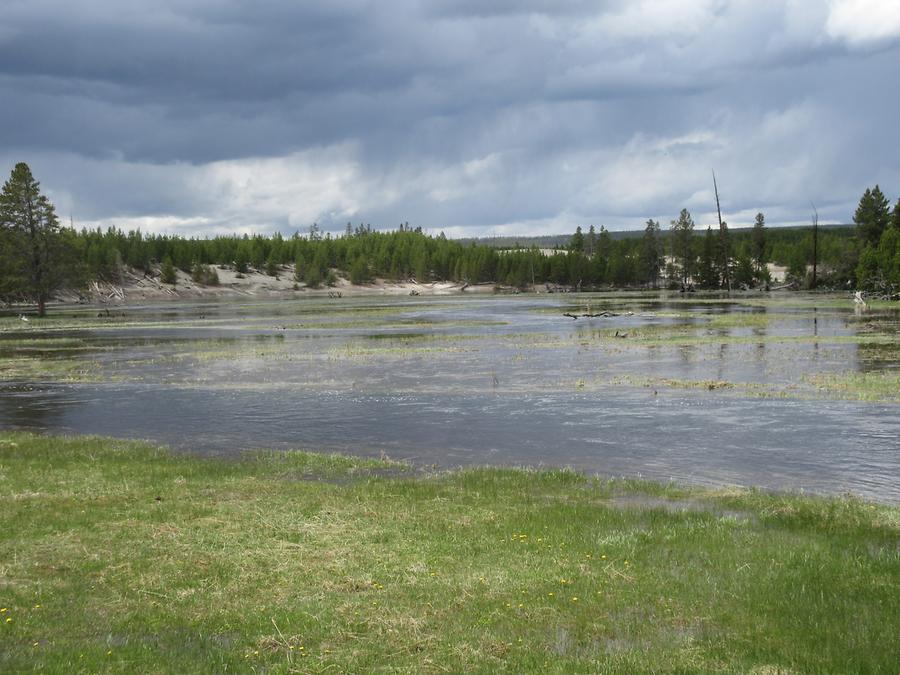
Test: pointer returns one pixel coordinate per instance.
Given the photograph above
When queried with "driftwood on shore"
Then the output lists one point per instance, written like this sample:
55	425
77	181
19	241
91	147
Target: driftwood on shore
107	291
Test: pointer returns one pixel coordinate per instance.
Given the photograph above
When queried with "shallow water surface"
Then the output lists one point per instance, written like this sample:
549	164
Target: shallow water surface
708	392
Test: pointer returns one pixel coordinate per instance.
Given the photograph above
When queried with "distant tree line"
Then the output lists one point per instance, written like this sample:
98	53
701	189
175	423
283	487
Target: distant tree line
661	257
38	256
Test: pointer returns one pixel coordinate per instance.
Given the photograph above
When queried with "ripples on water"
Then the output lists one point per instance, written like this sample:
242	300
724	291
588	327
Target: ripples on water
497	380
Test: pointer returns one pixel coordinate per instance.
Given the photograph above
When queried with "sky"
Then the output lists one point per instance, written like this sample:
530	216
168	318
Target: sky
471	117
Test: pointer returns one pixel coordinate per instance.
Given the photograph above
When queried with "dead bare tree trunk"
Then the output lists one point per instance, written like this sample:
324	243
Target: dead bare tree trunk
815	260
723	239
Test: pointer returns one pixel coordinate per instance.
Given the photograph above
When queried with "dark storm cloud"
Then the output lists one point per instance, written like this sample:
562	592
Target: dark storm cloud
216	114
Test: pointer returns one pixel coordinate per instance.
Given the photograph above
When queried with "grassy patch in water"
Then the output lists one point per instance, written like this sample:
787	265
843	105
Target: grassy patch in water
881	385
683	335
119	557
875	387
358	351
42	369
393	324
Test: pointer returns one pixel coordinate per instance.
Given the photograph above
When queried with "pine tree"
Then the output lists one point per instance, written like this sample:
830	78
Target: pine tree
577	241
743	269
759	245
36	260
651	253
299	268
167	274
872	216
602	252
316	270
706	268
682	243
272	265
9	283
359	271
723	258
241	258
797	262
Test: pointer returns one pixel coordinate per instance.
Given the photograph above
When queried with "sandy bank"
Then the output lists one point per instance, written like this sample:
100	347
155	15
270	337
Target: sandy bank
138	287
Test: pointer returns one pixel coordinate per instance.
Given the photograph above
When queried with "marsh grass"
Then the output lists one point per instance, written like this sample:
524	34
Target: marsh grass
44	368
869	386
872	387
120	557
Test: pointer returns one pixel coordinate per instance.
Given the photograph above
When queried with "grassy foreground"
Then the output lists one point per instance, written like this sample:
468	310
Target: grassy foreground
117	556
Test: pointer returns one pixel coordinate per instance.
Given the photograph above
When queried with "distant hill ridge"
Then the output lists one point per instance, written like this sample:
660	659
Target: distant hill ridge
562	240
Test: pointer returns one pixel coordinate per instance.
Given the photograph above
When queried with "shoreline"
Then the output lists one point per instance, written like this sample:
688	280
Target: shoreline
417	468
135	288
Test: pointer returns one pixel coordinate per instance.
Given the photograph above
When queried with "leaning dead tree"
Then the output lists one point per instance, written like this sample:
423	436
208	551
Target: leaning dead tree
723	239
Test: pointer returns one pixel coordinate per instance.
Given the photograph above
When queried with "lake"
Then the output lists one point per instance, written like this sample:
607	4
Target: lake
790	392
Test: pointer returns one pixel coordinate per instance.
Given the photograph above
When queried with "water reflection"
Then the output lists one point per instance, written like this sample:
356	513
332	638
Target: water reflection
33	407
488	380
818	446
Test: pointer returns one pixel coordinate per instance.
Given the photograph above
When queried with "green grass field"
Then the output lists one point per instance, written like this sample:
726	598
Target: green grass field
120	557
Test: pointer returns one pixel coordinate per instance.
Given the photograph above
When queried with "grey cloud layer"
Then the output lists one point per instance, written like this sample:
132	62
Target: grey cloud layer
210	115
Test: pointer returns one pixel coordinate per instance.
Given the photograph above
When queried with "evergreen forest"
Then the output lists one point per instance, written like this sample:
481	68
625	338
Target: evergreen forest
39	256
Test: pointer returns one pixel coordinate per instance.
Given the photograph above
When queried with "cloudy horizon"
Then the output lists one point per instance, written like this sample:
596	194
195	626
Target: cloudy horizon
203	117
